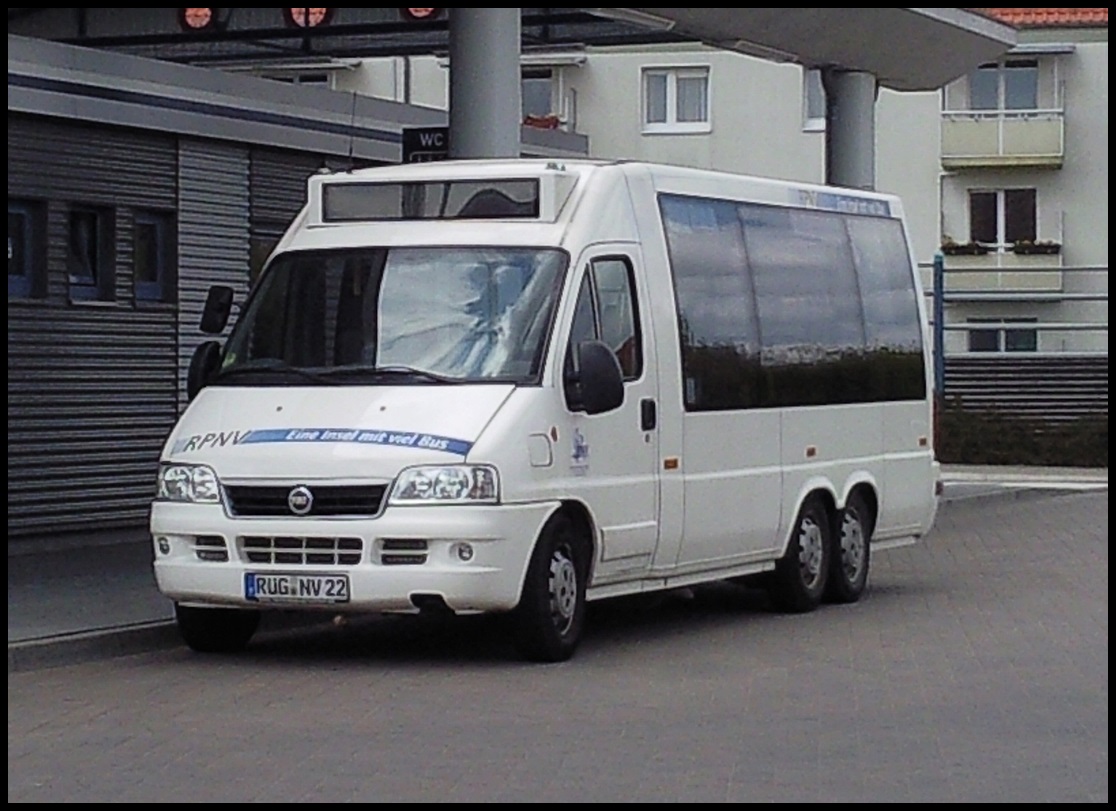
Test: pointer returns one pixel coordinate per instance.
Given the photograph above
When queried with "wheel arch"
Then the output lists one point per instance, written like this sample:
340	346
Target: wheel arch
582	518
865	486
818	487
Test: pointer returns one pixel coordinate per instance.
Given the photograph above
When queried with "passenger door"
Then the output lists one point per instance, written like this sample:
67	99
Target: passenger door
614	455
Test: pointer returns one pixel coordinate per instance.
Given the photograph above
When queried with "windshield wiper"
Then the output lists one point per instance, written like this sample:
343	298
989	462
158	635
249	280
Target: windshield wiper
274	367
394	371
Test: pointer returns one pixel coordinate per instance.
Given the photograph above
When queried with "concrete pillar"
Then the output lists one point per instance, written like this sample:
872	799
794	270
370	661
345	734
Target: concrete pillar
484	100
850	128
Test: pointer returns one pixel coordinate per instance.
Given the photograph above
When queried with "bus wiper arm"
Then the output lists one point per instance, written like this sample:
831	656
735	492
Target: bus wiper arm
275	367
389	371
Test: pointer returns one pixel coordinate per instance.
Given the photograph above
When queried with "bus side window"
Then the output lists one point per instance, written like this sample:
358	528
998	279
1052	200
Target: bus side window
584	326
616	308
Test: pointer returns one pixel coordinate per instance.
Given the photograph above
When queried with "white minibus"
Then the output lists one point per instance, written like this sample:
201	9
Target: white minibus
518	386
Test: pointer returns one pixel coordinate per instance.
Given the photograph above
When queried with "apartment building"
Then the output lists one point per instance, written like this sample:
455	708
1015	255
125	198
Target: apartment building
1024	188
1004	171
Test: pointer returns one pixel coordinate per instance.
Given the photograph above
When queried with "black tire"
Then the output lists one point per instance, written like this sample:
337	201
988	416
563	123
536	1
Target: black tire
548	622
852	544
216	630
798	583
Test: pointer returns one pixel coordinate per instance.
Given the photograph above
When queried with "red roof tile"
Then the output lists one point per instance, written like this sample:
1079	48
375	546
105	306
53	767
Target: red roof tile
1048	17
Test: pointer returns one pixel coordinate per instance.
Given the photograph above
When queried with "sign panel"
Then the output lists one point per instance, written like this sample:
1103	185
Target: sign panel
421	144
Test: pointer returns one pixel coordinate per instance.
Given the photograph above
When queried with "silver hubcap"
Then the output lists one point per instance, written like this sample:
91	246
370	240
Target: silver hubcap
563	590
811	547
852	546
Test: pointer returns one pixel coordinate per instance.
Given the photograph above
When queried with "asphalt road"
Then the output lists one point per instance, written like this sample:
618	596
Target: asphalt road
975	669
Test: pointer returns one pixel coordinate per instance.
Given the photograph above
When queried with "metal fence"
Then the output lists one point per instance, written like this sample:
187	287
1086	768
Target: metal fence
1051	386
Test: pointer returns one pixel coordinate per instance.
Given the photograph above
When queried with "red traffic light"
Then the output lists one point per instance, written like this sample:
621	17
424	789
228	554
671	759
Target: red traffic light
421	14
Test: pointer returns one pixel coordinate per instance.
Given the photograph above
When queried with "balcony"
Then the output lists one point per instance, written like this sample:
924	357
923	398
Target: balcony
1003	138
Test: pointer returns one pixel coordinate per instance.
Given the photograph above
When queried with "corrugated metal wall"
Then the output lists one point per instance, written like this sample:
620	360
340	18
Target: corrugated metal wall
90	384
1049	388
279	185
213	235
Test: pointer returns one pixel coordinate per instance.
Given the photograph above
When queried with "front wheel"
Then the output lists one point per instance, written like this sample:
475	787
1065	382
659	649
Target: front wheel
216	630
548	622
799	580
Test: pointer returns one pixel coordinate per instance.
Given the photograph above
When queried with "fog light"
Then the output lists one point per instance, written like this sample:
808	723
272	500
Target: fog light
464	552
164	545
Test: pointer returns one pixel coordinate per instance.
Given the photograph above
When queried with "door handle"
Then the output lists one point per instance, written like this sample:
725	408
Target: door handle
647	417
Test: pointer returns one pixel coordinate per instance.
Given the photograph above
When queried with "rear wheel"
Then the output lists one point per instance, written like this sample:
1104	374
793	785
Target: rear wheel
216	630
799	580
548	622
848	571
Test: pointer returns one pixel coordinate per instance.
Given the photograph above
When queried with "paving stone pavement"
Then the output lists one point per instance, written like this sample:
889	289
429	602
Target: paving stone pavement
975	669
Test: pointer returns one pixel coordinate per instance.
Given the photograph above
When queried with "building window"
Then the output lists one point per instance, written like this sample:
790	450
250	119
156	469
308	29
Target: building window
1003	217
1008	85
676	100
90	257
26	249
546	101
813	101
1000	339
154	257
536	87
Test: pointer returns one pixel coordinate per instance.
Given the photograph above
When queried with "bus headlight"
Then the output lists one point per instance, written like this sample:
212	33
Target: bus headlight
447	484
188	483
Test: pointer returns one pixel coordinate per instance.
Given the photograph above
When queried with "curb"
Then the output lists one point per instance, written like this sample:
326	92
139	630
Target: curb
87	646
1023	475
127	640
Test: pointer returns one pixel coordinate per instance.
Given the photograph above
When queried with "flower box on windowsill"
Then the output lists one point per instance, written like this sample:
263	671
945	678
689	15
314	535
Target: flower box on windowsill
1041	248
964	249
544	122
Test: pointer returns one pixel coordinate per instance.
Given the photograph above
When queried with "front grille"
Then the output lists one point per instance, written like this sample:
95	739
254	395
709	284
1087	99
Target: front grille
403	551
290	550
211	548
250	501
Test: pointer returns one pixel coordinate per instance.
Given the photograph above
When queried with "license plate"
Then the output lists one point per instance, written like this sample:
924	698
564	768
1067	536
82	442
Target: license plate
284	587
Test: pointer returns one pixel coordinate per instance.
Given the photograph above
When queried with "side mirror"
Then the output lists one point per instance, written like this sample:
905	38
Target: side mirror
218	305
599	383
203	365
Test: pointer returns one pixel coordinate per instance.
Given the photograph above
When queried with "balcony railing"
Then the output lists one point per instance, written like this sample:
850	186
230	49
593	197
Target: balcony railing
988	138
1086	303
1065	378
1002	270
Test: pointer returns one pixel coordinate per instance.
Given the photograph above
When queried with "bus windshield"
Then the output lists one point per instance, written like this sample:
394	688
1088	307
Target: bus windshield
444	314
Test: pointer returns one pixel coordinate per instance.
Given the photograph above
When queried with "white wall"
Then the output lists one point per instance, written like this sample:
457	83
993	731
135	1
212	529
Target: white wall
756	111
417	80
908	161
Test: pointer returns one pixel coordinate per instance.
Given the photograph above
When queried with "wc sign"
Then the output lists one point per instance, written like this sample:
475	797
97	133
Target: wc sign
422	144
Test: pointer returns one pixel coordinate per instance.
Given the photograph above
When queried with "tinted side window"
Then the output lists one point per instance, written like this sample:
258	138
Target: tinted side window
790	307
716	304
892	324
808	300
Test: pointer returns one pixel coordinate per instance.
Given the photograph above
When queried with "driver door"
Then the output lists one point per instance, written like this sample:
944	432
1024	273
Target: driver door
615	454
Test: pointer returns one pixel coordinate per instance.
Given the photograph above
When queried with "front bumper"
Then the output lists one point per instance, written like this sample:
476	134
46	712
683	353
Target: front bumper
407	552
